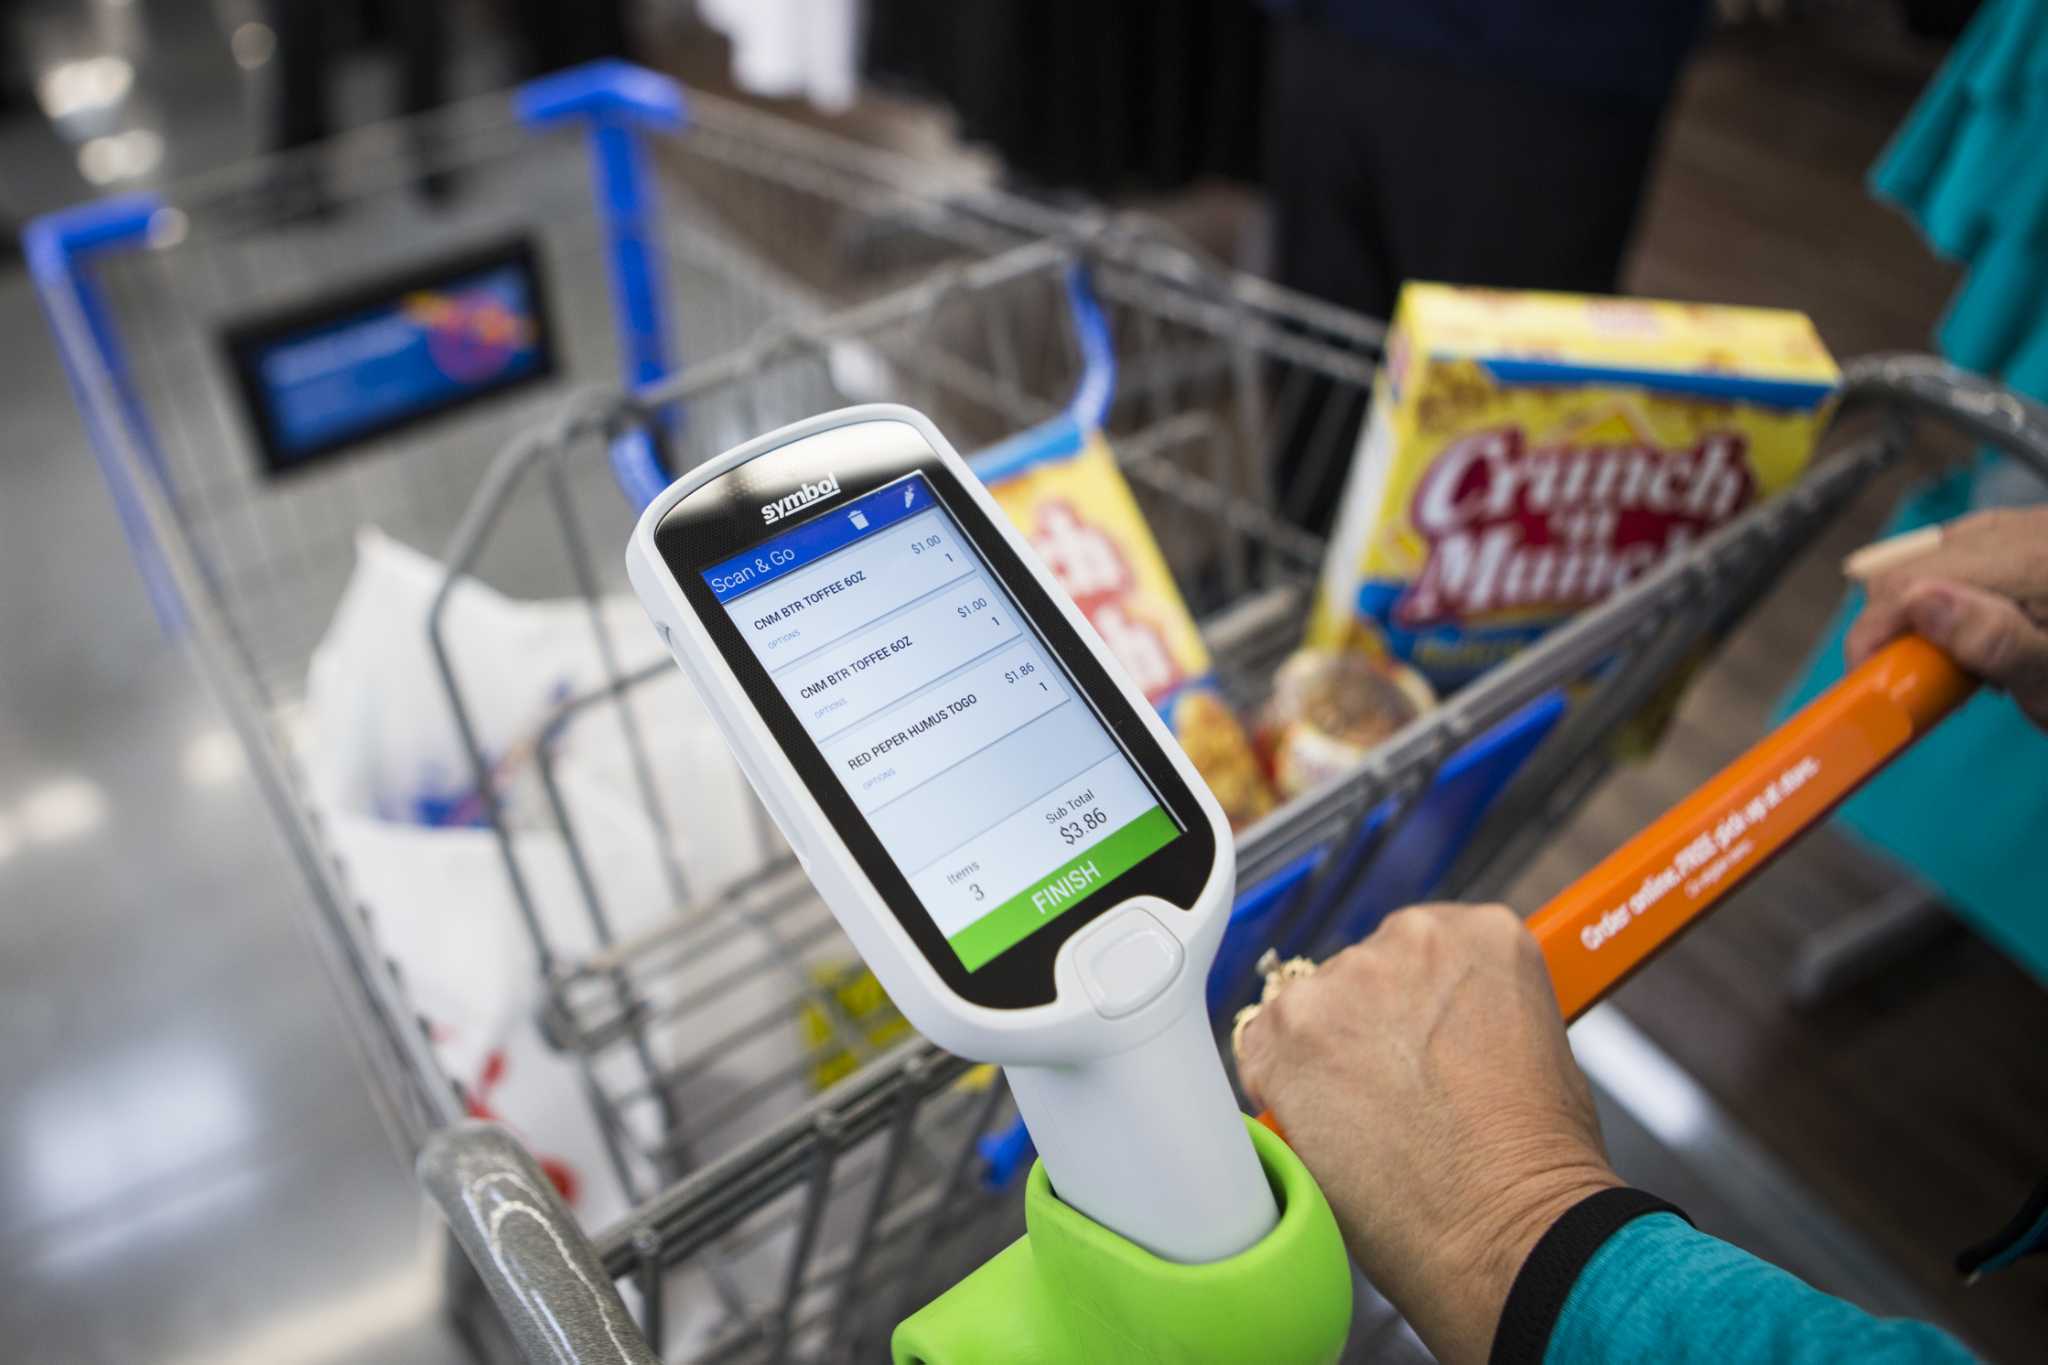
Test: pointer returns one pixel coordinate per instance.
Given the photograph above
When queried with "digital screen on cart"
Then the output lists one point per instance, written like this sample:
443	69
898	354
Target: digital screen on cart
342	370
986	776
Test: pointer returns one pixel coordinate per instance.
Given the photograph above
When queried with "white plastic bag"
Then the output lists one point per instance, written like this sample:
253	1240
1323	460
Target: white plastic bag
385	760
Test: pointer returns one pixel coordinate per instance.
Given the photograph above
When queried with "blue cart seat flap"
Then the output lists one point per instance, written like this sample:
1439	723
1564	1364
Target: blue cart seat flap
1253	919
1414	860
608	89
1418	854
1407	869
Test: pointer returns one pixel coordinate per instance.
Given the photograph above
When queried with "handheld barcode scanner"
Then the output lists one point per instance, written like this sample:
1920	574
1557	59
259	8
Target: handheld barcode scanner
994	814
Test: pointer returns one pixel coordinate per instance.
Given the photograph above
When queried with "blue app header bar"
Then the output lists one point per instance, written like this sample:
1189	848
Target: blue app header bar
830	531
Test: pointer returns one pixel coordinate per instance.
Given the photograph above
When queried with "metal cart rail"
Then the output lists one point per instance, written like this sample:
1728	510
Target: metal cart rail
775	1221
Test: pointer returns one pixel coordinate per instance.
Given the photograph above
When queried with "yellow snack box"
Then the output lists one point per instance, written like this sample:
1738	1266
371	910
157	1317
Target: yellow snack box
1072	504
1528	454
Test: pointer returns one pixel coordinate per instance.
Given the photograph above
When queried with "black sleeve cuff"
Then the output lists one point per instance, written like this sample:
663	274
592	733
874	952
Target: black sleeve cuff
1547	1277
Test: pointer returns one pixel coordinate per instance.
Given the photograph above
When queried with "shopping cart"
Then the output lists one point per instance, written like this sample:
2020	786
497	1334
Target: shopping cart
880	1189
773	1219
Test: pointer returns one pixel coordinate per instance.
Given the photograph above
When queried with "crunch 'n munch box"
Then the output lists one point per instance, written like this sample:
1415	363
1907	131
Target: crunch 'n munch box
1528	453
1079	514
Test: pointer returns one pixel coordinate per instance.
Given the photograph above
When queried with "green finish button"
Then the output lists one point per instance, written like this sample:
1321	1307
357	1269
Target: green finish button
1064	888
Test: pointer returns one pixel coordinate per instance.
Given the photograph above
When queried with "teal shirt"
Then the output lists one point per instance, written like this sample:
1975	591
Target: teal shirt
1658	1290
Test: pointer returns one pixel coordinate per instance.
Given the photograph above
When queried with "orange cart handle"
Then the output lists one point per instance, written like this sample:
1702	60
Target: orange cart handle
1598	931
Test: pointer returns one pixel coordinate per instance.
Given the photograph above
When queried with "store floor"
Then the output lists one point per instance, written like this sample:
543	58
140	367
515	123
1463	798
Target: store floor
190	1164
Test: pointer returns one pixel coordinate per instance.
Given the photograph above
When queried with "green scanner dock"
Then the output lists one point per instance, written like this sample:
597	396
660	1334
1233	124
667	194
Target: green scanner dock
1070	1290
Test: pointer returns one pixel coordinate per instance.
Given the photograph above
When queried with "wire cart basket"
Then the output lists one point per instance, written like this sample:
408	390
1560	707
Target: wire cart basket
795	1204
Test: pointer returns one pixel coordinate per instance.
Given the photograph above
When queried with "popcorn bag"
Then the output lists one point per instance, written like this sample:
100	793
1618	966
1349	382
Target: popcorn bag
1528	454
1079	514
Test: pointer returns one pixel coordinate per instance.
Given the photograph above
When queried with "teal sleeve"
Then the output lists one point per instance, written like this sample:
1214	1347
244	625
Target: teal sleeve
1658	1290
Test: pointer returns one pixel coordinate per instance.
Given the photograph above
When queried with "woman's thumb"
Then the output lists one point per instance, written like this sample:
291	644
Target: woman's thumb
1988	635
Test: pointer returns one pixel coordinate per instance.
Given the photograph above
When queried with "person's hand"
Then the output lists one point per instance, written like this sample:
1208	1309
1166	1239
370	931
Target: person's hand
1424	1078
1981	594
